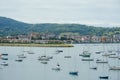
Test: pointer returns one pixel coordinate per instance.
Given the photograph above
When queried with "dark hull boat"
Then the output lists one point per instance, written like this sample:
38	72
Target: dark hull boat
95	68
87	59
44	62
19	60
104	77
74	73
67	56
97	52
56	69
4	58
5	54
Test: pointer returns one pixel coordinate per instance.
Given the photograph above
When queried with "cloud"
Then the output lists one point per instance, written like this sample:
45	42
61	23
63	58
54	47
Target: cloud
62	11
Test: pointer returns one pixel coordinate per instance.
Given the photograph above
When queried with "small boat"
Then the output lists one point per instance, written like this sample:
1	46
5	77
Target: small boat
101	61
19	60
50	57
106	55
4	54
74	73
112	53
44	62
87	59
85	54
114	68
67	56
29	52
98	52
104	77
4	64
95	68
59	51
113	56
4	58
25	51
57	68
41	58
21	56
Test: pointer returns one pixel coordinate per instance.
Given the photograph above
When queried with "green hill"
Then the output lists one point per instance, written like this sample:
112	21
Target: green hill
12	27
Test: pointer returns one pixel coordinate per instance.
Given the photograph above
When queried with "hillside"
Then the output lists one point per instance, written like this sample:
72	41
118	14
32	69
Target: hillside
12	27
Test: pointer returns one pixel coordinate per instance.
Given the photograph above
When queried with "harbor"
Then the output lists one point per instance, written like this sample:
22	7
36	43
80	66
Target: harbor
60	63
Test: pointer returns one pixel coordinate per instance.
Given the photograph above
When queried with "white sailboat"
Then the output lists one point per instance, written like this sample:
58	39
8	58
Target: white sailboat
22	56
57	68
114	68
101	61
116	65
67	55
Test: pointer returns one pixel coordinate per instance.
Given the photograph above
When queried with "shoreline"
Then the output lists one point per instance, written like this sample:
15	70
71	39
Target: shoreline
37	45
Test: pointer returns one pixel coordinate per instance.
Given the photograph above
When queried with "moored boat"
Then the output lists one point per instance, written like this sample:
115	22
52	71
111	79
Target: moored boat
74	73
114	68
87	59
104	77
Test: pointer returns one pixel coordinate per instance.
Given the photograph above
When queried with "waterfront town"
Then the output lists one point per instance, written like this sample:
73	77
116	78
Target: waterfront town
51	38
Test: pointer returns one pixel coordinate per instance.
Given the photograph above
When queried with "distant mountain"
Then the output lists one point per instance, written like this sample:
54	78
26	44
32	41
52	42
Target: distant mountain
12	27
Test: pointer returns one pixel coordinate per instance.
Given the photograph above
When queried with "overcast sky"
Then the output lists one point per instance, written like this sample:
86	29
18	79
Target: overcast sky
94	12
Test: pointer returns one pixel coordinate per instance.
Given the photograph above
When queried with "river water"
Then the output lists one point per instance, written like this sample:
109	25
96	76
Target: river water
32	69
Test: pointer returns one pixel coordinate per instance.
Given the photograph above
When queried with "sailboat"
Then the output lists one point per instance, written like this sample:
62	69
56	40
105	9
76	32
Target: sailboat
74	72
67	56
4	64
59	51
115	56
85	54
30	52
21	56
114	68
57	68
105	55
43	58
101	61
117	66
103	76
4	55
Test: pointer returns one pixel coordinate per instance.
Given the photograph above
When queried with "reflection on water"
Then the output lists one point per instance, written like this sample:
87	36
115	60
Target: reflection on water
59	66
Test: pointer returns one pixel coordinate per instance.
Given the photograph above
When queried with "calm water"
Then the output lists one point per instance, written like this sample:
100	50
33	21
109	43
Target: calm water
32	69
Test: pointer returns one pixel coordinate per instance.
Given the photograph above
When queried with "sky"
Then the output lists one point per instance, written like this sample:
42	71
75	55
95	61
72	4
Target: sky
91	12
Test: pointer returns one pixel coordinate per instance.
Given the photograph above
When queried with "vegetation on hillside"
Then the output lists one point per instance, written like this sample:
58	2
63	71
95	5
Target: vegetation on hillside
12	27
